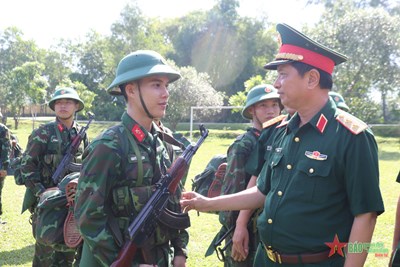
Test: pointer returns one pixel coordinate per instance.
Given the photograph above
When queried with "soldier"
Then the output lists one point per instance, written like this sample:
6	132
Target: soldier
339	101
319	186
262	104
122	166
45	149
5	146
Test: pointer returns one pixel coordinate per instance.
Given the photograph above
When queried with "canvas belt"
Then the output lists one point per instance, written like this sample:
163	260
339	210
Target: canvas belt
304	258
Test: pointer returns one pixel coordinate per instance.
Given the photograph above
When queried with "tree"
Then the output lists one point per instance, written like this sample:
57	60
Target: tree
193	89
24	85
371	40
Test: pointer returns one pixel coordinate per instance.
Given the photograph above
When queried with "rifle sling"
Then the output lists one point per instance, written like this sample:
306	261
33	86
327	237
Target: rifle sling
178	221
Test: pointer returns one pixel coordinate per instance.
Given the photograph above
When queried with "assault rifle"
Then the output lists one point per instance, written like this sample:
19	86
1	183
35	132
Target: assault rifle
66	163
145	223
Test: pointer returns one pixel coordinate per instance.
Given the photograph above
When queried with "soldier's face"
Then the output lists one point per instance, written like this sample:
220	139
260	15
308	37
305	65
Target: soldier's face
154	90
266	110
65	108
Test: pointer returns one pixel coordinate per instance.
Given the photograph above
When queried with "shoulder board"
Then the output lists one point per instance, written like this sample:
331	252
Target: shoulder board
274	121
351	123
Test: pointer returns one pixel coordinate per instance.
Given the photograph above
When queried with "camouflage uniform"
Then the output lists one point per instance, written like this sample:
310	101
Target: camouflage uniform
109	195
236	180
43	154
4	155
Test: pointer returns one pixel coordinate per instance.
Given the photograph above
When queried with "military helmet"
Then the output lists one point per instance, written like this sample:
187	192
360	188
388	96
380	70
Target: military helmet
339	101
257	94
66	93
140	64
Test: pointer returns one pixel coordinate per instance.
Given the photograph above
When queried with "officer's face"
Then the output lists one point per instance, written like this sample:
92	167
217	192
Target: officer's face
154	90
65	108
290	86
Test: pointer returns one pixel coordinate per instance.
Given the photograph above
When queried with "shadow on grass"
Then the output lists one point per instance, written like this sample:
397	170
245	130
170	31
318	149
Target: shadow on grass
17	257
392	156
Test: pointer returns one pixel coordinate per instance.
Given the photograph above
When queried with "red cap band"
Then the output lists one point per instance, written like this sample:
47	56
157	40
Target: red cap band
309	57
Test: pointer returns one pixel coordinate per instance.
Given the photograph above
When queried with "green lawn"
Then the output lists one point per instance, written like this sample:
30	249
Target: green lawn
16	242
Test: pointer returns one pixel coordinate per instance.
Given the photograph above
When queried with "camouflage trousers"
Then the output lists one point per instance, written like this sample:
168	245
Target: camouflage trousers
58	255
1	189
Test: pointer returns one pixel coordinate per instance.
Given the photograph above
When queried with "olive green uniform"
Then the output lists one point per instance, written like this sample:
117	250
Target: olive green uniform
316	180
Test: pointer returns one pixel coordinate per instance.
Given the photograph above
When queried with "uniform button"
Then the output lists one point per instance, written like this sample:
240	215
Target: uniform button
311	170
280	193
296	139
270	221
289	167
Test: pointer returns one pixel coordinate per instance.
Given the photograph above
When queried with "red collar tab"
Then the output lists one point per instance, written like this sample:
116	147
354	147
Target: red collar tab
138	133
322	122
296	53
60	127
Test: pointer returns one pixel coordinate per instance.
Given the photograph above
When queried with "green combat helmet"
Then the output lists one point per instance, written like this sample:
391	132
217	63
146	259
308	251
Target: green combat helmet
66	93
140	64
339	101
257	94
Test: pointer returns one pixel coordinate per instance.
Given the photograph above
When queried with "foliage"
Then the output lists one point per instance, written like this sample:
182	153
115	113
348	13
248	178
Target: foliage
193	89
371	40
228	47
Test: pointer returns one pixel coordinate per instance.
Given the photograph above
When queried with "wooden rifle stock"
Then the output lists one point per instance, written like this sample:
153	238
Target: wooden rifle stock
125	256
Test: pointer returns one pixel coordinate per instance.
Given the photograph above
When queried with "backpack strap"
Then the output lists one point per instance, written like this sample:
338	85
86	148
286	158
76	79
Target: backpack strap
136	150
58	138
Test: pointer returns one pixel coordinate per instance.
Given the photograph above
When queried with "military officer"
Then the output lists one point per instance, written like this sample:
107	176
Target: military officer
45	150
122	166
320	183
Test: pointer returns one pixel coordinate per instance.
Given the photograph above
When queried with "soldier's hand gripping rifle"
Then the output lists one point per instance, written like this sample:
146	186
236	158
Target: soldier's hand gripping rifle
66	163
145	223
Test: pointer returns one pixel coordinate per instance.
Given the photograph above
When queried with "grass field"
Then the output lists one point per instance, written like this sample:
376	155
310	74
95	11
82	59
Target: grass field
16	241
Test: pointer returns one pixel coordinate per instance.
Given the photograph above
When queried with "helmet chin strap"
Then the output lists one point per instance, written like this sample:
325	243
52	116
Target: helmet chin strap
143	104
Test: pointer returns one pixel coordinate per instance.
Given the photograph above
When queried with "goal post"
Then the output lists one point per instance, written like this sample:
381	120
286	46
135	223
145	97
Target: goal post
206	107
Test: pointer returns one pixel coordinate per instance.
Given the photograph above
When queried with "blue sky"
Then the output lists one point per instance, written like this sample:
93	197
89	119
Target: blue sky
46	21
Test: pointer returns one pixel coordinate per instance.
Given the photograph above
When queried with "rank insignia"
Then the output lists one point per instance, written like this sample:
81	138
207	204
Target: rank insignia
274	120
138	133
316	155
321	123
351	123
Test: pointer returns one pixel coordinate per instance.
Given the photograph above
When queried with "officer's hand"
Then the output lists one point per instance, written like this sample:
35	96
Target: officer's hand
240	243
3	173
179	261
147	265
194	201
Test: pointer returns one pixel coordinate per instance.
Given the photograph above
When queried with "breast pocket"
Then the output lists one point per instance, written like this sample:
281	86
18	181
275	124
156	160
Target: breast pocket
274	162
313	181
133	169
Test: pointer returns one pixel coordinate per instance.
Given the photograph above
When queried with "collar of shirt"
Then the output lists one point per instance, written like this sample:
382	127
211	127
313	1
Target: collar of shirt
138	132
319	121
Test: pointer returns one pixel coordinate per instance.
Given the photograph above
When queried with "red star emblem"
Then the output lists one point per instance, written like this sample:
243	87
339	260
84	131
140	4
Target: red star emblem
336	246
